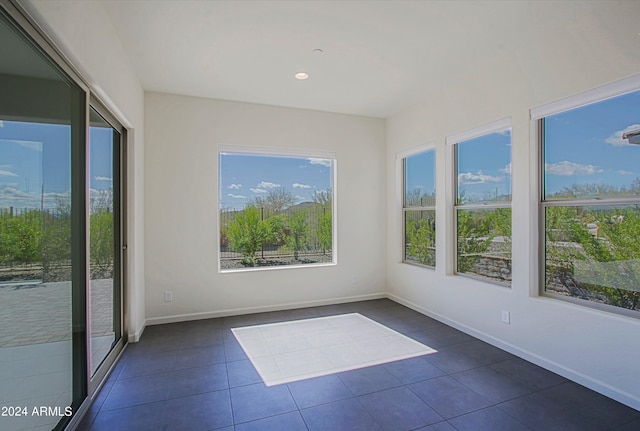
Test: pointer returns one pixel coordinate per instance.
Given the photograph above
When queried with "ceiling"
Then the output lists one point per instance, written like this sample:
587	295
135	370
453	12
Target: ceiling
378	56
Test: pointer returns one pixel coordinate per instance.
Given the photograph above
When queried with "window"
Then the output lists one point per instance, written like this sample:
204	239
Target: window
590	203
483	202
419	208
276	209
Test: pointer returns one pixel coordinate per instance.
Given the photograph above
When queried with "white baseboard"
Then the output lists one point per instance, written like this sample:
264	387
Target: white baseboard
260	309
626	398
134	338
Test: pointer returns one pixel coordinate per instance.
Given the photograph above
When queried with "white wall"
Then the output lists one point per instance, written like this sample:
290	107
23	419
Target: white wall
85	35
181	206
595	45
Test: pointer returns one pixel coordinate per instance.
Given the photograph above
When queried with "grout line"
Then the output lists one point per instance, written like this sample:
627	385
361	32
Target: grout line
233	418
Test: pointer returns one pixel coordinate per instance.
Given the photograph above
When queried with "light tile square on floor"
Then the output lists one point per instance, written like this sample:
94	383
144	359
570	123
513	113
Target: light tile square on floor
295	350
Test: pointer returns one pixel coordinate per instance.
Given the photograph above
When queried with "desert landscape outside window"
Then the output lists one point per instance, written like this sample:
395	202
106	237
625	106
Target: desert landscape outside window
419	208
483	205
275	210
591	204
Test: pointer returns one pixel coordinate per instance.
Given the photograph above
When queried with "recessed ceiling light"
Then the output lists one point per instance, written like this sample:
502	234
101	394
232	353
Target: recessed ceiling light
318	51
301	75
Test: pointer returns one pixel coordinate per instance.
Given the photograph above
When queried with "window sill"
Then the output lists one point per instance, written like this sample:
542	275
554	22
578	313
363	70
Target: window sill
484	280
276	268
419	265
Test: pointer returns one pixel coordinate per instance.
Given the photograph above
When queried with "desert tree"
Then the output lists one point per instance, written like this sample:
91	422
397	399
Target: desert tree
276	200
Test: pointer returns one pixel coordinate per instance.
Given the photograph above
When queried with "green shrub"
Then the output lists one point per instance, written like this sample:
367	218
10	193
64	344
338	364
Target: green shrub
421	240
20	238
325	232
297	240
56	247
474	238
101	241
248	233
277	225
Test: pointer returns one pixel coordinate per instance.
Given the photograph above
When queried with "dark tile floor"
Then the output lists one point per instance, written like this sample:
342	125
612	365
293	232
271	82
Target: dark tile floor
195	376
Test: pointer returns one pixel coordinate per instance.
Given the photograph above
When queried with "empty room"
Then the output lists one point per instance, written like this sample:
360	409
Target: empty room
319	215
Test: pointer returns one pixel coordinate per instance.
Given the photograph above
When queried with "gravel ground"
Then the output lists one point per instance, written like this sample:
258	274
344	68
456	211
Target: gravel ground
276	261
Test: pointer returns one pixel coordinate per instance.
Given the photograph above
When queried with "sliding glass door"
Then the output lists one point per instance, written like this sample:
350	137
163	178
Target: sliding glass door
42	288
61	239
105	237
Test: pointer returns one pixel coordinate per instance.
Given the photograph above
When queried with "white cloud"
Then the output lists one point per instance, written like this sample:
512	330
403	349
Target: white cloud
301	186
65	195
300	198
322	162
1	124
7	174
14	193
616	137
623	172
11	196
568	169
99	178
231	195
506	169
32	145
268	185
235	186
258	190
479	178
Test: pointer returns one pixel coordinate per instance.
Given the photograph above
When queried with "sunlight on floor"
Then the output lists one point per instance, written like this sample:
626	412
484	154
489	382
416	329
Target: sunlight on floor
296	350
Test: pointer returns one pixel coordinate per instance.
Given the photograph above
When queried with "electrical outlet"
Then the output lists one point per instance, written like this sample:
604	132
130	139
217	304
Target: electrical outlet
168	296
506	316
354	280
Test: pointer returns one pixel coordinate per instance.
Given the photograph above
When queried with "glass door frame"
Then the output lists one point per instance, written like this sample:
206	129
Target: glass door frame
120	244
84	386
78	104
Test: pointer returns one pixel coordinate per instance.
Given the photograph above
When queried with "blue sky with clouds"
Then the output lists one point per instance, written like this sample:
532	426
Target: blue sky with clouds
420	173
35	162
585	145
244	177
101	159
484	167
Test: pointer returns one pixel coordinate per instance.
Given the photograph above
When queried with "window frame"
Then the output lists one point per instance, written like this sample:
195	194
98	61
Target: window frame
501	125
538	116
280	152
403	202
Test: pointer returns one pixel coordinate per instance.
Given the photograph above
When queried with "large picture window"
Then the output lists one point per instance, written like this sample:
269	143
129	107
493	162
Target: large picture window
483	203
275	209
419	208
591	203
